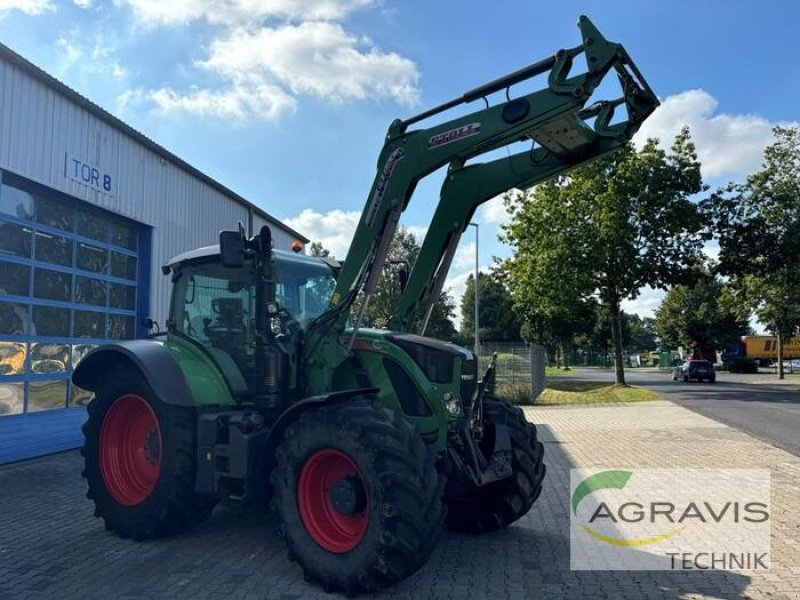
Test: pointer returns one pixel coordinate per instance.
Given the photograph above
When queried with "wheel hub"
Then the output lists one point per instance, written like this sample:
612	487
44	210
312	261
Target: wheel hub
348	496
152	448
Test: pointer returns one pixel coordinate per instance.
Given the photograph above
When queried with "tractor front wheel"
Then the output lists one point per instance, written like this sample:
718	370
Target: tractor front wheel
358	496
139	456
499	504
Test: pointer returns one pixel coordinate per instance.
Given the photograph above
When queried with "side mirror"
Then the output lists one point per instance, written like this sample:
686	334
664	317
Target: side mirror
149	323
231	248
189	299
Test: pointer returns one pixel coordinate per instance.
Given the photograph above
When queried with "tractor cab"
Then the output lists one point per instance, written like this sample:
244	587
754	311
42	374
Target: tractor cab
214	306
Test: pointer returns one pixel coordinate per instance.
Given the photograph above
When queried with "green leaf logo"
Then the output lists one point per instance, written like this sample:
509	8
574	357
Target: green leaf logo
599	481
615	480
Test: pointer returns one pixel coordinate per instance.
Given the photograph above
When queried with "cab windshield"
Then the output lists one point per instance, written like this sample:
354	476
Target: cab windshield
215	305
304	287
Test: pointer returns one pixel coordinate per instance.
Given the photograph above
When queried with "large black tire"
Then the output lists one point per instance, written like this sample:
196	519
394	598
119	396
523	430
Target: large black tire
499	504
399	520
136	498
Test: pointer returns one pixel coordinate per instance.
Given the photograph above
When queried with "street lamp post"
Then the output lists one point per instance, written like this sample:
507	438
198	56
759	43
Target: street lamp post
475	319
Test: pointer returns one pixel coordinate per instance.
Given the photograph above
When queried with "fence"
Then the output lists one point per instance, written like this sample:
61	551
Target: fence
517	363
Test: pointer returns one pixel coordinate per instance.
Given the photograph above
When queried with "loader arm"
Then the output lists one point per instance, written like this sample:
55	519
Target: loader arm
550	117
467	187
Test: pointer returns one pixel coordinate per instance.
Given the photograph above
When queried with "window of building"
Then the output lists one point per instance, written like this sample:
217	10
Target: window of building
68	282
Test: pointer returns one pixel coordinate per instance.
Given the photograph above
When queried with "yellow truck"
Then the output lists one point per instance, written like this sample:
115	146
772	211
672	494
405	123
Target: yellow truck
765	347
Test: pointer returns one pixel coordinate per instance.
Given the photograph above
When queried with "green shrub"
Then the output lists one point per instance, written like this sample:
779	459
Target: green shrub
517	393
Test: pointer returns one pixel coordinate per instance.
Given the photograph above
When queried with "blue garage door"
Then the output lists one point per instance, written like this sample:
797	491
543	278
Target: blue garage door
69	280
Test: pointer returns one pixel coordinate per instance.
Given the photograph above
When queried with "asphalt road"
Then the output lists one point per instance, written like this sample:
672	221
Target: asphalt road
768	412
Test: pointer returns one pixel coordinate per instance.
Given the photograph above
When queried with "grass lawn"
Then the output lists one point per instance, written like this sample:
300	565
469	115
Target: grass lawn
592	392
555	372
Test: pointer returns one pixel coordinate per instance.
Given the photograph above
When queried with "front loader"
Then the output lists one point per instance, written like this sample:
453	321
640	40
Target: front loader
265	385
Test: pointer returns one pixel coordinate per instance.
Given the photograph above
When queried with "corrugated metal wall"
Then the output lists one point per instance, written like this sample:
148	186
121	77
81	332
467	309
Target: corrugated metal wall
39	128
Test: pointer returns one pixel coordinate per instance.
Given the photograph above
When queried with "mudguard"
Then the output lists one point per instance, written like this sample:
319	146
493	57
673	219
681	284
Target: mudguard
295	410
151	359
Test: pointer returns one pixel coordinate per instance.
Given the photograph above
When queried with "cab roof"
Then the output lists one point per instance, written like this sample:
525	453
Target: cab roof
213	251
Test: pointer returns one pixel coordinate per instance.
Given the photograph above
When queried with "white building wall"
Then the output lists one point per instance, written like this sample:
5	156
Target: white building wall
40	129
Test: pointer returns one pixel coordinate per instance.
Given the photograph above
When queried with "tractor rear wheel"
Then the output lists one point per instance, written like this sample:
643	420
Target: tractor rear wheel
358	496
139	456
499	504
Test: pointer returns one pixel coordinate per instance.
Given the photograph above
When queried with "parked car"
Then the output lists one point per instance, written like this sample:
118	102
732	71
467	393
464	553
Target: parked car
695	369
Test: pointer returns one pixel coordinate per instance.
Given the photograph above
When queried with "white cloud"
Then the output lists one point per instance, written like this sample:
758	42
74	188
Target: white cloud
83	3
727	145
494	212
118	71
645	304
334	229
229	12
263	70
418	231
70	51
315	58
456	285
649	299
238	102
29	7
96	57
464	258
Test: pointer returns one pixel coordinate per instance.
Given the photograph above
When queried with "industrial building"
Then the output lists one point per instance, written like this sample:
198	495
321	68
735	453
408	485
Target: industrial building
89	211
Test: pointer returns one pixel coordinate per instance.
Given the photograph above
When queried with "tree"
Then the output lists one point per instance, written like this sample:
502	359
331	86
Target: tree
608	229
440	325
638	333
704	313
317	249
403	252
498	321
598	335
543	279
757	224
563	327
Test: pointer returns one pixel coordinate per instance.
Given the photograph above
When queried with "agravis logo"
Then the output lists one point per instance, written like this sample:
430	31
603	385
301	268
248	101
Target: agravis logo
611	480
670	519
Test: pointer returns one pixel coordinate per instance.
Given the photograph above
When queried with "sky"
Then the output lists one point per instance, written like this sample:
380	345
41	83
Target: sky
287	102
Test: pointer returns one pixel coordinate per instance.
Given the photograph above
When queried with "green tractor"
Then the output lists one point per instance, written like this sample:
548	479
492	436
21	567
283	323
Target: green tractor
366	441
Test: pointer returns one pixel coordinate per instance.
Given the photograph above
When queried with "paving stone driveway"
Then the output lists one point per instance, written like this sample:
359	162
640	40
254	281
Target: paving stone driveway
52	547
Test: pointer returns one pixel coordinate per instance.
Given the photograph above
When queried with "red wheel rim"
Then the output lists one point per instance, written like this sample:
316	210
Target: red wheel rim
334	531
130	450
